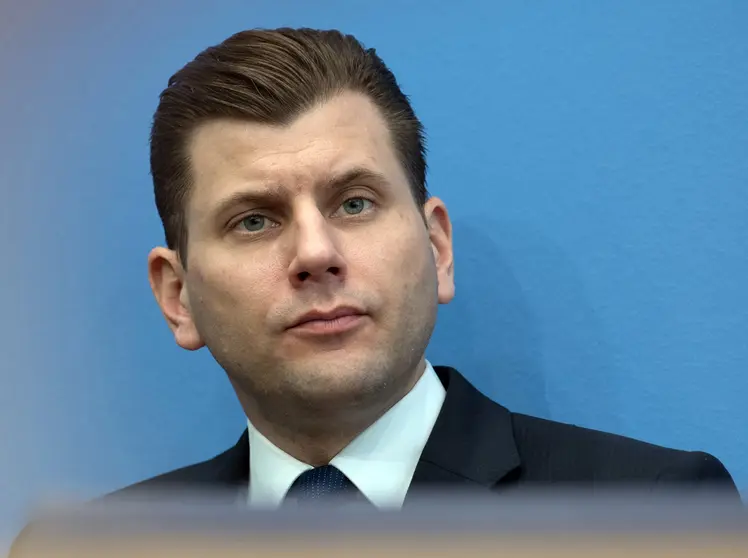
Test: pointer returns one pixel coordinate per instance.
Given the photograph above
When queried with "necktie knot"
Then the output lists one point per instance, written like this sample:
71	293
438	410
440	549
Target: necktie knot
322	484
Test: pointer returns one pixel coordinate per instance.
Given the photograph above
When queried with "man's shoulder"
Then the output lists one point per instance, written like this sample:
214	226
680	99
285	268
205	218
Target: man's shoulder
538	451
227	470
585	454
190	475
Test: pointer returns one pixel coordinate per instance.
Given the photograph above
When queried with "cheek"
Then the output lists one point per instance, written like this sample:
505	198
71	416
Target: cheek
395	260
233	286
412	247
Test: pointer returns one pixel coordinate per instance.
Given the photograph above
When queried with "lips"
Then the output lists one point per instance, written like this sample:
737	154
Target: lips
329	315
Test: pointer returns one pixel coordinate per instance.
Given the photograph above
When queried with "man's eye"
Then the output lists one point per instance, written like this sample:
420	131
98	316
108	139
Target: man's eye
253	223
354	206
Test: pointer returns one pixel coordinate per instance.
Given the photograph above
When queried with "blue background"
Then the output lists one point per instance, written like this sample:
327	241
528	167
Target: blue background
592	154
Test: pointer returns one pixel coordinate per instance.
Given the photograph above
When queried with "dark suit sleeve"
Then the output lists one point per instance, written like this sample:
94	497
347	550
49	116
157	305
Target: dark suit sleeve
700	470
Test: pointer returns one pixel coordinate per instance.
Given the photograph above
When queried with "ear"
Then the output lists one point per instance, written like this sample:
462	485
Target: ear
440	234
166	276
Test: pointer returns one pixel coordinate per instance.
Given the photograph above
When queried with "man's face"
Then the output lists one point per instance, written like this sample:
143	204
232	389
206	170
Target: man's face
312	273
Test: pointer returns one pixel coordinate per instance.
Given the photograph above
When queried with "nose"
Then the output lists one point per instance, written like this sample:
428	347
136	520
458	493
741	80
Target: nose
316	257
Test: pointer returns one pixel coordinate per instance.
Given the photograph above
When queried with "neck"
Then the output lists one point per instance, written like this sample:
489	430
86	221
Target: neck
314	434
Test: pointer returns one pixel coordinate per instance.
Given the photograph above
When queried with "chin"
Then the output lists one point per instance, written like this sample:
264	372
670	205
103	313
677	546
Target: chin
328	378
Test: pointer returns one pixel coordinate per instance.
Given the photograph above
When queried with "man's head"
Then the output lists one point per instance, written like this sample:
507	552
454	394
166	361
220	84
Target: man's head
302	249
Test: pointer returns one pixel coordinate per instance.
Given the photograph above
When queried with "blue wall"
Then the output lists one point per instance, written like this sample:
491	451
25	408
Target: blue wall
592	154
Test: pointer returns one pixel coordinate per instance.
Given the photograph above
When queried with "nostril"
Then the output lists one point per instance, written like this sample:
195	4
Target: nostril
305	275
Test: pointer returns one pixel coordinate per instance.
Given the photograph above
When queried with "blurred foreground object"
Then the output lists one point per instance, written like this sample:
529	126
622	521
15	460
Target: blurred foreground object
635	524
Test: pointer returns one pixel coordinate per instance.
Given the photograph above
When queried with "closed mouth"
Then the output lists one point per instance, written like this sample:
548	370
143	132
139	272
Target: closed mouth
336	315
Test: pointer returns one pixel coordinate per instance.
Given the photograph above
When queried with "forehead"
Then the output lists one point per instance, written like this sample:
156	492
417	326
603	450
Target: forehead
228	156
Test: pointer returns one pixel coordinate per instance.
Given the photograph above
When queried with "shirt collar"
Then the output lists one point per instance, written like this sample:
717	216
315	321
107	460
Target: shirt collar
380	461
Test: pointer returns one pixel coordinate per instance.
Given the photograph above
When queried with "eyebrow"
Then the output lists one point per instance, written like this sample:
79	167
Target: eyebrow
275	194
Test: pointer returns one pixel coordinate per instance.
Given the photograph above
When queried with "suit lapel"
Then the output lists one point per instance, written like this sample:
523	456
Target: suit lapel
229	472
472	443
232	466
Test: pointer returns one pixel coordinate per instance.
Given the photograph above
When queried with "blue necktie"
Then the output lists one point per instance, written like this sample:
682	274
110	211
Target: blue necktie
323	485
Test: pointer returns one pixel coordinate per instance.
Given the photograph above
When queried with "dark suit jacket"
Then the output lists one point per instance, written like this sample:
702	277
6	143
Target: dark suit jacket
477	443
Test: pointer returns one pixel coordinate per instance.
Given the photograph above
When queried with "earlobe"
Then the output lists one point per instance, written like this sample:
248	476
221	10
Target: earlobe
440	234
166	277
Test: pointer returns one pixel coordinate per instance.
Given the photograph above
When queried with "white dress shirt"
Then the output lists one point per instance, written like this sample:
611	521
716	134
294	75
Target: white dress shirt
380	461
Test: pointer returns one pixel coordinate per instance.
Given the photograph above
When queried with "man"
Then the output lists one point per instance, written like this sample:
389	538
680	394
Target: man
304	252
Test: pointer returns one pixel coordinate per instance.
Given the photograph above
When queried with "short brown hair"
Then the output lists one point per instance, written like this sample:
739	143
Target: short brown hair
270	77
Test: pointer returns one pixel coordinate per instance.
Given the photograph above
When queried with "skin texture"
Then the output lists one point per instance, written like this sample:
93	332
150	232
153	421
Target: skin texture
274	233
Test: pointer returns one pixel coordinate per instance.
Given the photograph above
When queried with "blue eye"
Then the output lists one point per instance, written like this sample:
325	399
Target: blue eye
253	223
354	206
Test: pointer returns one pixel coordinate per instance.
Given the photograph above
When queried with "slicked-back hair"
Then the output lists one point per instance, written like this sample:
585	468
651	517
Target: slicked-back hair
270	77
